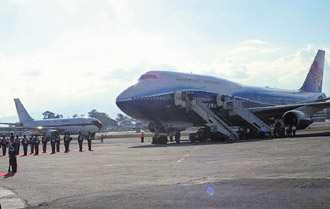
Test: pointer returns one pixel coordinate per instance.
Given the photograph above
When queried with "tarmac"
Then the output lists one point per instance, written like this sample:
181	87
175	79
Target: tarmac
124	173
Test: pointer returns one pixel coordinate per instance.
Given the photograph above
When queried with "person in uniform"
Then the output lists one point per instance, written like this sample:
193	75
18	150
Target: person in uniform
67	141
80	141
89	139
171	136
12	154
4	145
18	142
44	141
142	137
294	129
58	142
25	143
53	142
36	144
177	137
31	142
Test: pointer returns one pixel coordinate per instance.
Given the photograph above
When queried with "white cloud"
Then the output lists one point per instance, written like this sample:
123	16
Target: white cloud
69	6
31	73
252	67
255	41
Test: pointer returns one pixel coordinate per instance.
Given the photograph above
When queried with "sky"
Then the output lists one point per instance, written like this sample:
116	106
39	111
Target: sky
72	56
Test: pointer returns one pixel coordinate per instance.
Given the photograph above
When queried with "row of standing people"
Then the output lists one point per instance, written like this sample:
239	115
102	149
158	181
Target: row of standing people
280	130
14	145
290	130
34	142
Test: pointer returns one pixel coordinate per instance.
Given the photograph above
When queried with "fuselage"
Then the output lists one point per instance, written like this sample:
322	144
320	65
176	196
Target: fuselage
152	98
73	125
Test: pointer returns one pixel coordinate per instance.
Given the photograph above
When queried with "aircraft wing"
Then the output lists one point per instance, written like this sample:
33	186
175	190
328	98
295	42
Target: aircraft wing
279	110
21	126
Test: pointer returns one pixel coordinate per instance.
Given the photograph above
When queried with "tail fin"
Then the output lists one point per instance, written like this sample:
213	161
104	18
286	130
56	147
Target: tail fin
313	81
23	115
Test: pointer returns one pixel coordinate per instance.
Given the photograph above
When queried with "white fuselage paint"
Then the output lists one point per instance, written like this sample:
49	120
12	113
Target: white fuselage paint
73	125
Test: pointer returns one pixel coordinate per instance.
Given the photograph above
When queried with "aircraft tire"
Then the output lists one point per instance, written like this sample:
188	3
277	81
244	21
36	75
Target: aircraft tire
177	137
154	140
214	138
164	140
177	140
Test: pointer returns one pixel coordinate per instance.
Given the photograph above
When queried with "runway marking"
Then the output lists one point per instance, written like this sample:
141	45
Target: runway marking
9	199
187	155
111	165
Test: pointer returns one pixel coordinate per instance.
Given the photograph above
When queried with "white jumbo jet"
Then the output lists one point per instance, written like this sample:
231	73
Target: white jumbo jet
61	125
153	99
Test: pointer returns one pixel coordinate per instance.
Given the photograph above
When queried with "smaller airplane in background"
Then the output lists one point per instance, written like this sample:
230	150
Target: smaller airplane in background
60	125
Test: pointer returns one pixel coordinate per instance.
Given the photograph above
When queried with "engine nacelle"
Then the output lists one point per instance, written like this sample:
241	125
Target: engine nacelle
297	118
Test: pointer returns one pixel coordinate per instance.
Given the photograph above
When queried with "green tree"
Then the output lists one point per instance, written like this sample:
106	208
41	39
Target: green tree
102	117
50	115
124	120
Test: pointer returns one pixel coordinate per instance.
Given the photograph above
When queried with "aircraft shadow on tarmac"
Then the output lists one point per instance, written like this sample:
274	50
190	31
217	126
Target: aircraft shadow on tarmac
207	142
187	143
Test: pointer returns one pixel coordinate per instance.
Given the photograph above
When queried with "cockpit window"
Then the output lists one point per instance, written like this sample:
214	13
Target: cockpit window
147	76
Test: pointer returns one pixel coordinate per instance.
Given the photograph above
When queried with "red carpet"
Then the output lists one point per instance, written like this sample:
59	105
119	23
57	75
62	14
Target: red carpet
75	150
9	174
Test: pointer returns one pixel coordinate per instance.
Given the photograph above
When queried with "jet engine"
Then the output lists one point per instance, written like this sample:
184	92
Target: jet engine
297	118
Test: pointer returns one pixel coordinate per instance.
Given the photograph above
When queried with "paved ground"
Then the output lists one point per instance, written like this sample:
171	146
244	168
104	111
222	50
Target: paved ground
123	173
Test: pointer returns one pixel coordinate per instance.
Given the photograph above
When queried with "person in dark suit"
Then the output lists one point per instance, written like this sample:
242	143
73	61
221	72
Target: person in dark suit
12	154
58	143
80	141
31	142
67	140
18	142
25	143
44	141
89	139
53	142
4	145
36	144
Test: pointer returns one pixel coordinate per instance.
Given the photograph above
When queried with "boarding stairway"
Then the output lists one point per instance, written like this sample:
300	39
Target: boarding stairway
215	122
231	104
212	120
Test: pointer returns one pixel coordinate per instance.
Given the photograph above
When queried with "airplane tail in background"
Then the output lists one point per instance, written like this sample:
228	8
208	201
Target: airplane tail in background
313	81
23	115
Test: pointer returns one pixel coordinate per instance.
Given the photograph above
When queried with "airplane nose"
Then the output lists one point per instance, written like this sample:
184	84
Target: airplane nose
127	94
124	98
